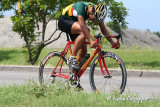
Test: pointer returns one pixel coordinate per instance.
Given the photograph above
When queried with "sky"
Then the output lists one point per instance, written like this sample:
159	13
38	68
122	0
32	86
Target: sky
142	14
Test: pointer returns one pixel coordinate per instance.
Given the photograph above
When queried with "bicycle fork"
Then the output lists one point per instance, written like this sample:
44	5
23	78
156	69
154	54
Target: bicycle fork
102	60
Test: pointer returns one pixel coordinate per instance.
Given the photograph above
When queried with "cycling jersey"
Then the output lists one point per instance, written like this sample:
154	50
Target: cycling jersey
77	9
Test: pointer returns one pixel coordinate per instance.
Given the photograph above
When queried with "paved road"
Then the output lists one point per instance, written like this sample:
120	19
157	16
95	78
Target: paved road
145	86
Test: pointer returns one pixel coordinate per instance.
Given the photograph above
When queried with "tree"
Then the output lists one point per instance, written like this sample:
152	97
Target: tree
34	12
157	33
6	5
116	27
118	13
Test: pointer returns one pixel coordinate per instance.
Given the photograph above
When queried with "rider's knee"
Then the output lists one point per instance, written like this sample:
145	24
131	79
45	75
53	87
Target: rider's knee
82	36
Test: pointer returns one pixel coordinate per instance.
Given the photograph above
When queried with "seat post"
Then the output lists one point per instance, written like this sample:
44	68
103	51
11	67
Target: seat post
67	36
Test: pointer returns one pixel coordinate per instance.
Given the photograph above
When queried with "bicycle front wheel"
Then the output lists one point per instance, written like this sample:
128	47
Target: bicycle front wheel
112	82
51	64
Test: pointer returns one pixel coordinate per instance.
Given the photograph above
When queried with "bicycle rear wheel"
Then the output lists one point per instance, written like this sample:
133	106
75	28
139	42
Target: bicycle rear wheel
113	83
53	62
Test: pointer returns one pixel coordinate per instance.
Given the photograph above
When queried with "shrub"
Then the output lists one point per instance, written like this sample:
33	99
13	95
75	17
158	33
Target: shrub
157	33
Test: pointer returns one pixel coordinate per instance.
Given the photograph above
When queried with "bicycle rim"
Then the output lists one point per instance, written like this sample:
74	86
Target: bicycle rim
49	63
116	82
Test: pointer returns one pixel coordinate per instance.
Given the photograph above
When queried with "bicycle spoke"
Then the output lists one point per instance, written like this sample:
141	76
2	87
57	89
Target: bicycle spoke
104	86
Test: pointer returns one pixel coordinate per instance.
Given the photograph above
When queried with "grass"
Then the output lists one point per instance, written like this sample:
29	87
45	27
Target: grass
13	56
34	95
136	58
140	59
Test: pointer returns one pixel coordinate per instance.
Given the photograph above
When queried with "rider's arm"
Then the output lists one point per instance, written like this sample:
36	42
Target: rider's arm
105	32
85	31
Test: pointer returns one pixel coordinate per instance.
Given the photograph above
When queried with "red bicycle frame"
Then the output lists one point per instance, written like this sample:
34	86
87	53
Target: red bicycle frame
98	50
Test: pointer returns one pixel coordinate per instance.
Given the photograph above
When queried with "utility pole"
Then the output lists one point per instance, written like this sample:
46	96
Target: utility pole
19	6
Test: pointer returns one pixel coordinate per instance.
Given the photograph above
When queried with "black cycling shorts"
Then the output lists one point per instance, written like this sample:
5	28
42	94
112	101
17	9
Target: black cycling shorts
65	25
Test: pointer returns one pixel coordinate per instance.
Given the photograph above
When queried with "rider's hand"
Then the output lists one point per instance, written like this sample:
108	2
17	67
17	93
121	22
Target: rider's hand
94	44
116	45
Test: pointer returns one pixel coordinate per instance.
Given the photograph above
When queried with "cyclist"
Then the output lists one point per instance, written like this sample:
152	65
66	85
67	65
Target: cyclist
72	21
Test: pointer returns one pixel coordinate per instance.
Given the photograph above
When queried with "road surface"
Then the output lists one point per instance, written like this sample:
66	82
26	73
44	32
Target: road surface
144	86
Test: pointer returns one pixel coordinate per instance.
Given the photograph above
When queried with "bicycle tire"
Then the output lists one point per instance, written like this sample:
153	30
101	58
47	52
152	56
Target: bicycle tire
116	83
47	66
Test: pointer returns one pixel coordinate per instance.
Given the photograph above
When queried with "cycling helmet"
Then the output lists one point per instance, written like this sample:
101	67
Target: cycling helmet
100	12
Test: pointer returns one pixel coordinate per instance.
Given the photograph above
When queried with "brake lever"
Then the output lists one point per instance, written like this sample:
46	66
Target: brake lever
117	37
121	38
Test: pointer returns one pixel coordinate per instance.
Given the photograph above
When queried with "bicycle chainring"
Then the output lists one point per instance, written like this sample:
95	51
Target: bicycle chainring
74	80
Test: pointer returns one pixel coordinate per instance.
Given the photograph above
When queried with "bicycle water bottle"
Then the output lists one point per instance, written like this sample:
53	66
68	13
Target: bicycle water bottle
84	59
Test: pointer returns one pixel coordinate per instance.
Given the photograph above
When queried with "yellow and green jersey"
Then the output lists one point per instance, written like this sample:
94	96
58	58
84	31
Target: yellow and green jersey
77	9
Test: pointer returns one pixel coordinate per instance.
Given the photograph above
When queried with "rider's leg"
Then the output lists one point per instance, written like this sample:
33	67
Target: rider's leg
73	28
79	45
82	52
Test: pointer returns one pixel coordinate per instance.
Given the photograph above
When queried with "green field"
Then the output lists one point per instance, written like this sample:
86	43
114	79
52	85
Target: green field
34	95
133	58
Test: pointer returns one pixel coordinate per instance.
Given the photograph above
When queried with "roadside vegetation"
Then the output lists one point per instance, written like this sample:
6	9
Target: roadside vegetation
134	58
157	33
35	95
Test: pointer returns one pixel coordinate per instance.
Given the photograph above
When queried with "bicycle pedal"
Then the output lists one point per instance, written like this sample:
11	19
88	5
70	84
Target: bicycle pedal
74	80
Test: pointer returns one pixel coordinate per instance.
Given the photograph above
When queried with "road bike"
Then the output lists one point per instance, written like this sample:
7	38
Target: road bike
107	72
